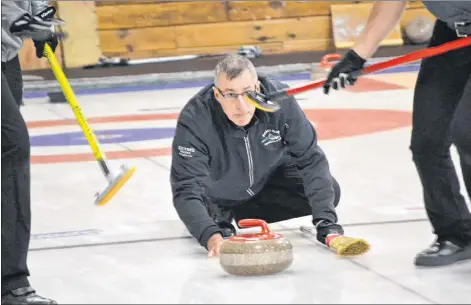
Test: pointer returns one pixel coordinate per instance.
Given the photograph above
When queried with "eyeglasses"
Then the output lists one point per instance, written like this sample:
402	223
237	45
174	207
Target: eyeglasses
234	95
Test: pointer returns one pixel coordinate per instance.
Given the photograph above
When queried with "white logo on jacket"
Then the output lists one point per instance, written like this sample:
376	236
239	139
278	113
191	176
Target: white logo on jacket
270	136
186	151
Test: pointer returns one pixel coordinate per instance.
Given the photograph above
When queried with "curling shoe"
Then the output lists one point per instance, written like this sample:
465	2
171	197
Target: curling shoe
25	295
441	253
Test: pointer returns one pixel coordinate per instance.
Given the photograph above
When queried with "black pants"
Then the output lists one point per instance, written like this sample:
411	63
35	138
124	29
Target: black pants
441	117
282	198
16	204
12	71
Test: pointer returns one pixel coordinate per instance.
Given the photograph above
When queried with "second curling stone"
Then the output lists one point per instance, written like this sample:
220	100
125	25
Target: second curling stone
322	70
256	254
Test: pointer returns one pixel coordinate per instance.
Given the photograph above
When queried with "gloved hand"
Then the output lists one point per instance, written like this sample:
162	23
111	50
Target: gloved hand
46	15
39	45
325	228
340	76
38	28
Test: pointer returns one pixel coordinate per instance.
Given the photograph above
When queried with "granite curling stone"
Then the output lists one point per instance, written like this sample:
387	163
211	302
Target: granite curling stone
261	253
419	30
322	70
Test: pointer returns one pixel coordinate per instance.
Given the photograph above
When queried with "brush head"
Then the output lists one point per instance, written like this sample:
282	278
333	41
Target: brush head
268	103
347	246
114	186
262	102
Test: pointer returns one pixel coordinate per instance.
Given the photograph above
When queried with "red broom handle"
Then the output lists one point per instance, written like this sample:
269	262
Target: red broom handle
413	56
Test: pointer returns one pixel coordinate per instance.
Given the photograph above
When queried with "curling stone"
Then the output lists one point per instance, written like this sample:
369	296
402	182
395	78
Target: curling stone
419	30
321	70
256	254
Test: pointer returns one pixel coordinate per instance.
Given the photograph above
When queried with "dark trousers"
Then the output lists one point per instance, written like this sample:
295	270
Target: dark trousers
16	204
282	198
12	71
441	117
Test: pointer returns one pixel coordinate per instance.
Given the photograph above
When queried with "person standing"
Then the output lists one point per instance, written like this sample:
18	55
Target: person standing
441	117
20	19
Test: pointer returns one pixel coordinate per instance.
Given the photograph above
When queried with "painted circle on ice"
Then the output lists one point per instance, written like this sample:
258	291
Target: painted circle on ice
330	124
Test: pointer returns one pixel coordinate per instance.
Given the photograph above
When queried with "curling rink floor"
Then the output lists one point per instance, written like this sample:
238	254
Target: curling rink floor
135	250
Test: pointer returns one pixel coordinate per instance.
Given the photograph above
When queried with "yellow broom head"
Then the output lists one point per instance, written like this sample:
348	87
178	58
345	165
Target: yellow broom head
114	186
347	246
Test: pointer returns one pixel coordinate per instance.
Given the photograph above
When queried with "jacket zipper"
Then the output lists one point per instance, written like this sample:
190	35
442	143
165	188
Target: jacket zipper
249	156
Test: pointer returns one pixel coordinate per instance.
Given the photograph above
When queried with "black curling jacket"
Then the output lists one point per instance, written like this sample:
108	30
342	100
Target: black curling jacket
212	158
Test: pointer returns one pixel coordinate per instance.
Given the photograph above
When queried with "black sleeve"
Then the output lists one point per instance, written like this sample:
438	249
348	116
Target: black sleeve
301	139
188	175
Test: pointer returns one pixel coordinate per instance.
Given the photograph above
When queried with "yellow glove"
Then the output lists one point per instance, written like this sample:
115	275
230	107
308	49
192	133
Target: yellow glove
347	246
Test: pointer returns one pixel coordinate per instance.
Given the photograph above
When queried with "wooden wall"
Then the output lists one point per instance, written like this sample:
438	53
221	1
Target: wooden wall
145	29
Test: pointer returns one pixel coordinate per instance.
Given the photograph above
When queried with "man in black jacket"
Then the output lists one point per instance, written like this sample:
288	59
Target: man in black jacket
232	161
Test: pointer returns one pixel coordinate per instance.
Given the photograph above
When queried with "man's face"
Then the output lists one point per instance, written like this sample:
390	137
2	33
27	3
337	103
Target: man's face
230	94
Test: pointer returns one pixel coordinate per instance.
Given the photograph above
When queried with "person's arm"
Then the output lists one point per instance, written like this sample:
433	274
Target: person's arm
383	17
45	12
188	175
38	6
11	12
301	139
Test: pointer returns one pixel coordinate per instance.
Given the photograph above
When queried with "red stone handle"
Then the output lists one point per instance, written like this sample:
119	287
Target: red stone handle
248	223
325	60
266	234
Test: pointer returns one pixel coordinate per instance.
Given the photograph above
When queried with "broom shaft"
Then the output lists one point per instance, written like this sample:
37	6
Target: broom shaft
70	96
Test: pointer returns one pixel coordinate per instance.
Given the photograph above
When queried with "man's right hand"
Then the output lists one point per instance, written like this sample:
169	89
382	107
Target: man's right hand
383	17
214	244
341	74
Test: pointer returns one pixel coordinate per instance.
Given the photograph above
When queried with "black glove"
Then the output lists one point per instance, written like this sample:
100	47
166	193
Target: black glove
325	227
39	45
46	15
35	27
341	74
38	28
